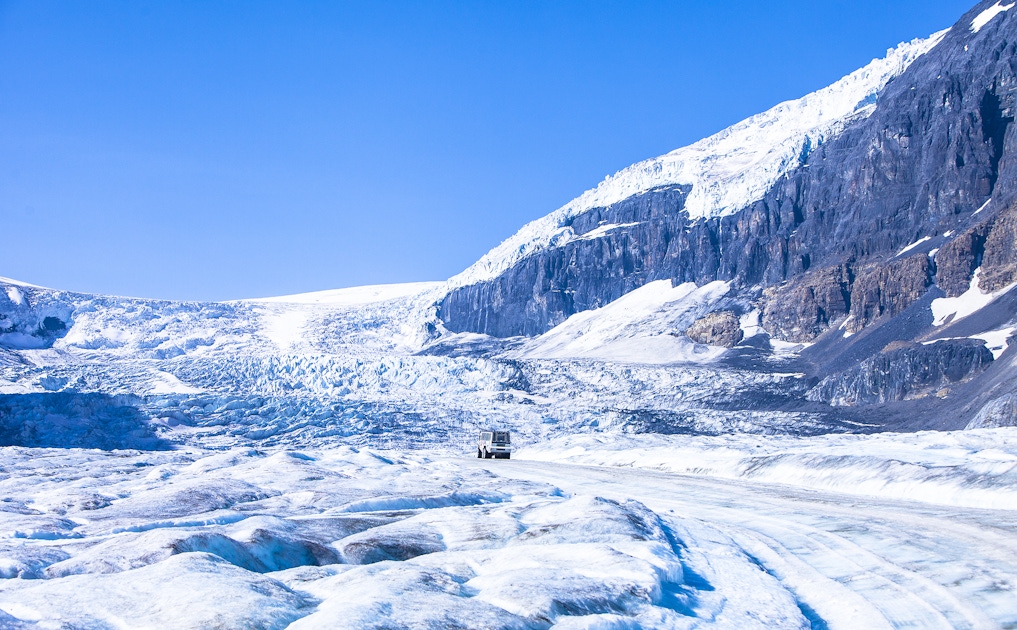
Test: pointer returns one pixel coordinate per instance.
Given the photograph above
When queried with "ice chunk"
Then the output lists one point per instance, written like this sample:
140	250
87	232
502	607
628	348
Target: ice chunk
185	591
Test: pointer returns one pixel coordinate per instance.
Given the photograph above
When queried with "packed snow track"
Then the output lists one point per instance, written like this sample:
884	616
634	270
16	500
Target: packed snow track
850	562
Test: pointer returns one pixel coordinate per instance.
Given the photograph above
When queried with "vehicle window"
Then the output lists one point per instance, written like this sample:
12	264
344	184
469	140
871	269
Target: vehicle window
485	436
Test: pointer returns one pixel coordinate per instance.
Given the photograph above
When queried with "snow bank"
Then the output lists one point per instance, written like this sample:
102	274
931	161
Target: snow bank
642	326
949	310
969	468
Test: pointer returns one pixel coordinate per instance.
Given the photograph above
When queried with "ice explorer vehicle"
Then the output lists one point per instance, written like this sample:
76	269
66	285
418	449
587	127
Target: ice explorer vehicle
496	444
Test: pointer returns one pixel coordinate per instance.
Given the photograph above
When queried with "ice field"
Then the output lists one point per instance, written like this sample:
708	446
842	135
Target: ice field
308	461
353	538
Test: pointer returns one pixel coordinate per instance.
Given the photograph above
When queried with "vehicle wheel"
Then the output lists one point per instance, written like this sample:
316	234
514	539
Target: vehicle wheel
479	454
486	454
508	455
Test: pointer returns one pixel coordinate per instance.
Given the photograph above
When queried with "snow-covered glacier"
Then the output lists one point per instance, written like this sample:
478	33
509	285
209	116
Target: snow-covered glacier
363	366
307	461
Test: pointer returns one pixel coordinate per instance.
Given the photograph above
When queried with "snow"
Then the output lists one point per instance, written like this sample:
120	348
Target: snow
996	340
354	296
603	230
914	245
166	383
284	328
948	310
437	540
15	295
727	171
986	16
751	323
264	483
639	327
963	468
982	207
19	283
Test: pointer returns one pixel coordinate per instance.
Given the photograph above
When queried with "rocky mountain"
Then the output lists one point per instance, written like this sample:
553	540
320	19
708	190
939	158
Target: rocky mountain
905	202
840	263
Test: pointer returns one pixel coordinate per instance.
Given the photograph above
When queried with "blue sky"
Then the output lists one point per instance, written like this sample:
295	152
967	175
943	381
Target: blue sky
219	150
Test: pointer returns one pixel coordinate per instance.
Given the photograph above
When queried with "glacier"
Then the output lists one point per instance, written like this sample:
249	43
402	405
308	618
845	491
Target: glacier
306	461
324	370
350	537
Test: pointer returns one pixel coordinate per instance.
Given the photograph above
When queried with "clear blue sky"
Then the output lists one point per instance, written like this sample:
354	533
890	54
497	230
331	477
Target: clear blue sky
218	150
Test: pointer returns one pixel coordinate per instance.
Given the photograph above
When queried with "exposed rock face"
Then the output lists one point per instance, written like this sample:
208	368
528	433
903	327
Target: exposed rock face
650	239
1001	412
904	373
999	261
888	289
805	307
720	328
957	260
936	148
991	245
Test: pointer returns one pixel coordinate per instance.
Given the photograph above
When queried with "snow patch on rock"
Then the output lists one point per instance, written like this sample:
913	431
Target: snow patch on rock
949	310
986	16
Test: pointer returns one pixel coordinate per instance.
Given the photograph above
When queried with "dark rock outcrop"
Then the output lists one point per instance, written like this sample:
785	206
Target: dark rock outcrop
999	260
720	328
888	289
901	373
803	308
957	260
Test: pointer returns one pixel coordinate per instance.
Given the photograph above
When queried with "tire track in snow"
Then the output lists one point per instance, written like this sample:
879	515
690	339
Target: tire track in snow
856	562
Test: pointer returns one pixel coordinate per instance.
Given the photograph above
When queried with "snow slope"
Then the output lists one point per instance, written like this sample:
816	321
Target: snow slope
976	469
986	16
727	171
636	328
354	296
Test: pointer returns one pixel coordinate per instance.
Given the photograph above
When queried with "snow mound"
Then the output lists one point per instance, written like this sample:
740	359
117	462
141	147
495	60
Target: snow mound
972	468
642	326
